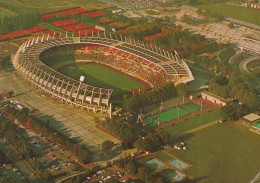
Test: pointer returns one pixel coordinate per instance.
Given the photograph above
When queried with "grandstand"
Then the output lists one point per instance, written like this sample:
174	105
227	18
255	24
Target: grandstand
139	60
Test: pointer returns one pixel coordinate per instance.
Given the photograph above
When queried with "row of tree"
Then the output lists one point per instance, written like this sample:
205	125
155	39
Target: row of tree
237	86
20	143
19	22
80	150
154	142
133	103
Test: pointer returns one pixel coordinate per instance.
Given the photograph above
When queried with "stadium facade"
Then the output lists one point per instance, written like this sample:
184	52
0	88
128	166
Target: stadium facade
165	65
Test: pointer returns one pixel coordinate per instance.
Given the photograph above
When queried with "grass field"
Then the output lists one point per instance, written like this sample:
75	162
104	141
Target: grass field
6	13
165	116
95	75
241	13
192	123
151	12
100	76
253	64
171	114
45	6
190	107
160	155
224	152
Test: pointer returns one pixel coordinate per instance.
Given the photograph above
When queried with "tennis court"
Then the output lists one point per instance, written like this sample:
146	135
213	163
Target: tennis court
190	107
165	116
154	164
178	164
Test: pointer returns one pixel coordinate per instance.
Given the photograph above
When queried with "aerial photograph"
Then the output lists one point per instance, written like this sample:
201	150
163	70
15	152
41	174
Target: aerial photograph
129	91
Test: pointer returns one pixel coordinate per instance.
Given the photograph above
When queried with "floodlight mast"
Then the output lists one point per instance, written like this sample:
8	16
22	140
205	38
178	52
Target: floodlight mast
81	79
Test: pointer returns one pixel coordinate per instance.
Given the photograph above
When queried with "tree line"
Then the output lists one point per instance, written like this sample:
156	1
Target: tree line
80	150
238	87
19	22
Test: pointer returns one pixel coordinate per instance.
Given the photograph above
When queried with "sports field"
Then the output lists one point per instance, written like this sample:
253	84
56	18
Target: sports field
192	123
241	13
96	75
100	76
224	152
165	116
171	114
190	107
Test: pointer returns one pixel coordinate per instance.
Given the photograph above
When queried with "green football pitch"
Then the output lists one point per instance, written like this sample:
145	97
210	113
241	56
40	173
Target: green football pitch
171	114
165	116
100	76
95	75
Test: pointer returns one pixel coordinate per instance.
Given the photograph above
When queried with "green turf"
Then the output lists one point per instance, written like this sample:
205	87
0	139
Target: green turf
165	116
241	13
45	6
4	13
194	122
151	12
202	77
190	107
162	156
224	152
95	75
100	76
253	64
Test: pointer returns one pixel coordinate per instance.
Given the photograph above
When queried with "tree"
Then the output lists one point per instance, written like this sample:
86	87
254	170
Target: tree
131	167
107	146
182	89
112	180
231	25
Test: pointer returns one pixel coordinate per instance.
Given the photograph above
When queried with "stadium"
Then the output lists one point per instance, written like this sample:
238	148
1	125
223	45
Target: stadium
148	65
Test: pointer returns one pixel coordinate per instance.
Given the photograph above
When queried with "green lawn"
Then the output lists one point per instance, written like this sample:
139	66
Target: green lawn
45	6
241	13
95	75
194	122
253	64
151	12
100	76
4	13
164	157
165	116
222	153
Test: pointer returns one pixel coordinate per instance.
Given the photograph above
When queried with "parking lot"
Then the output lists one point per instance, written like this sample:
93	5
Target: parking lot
221	32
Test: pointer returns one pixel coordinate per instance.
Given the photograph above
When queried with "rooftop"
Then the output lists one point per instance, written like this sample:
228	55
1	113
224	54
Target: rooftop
251	117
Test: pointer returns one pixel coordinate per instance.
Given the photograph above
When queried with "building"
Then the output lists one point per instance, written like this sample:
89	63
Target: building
215	98
251	119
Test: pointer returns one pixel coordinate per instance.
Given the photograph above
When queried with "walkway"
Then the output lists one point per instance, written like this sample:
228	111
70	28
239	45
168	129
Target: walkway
202	127
242	65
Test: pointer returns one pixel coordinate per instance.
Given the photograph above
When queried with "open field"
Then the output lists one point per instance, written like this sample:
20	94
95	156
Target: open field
192	123
45	6
6	13
241	13
224	152
151	12
253	64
